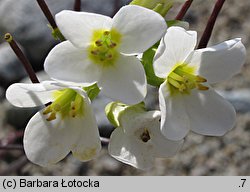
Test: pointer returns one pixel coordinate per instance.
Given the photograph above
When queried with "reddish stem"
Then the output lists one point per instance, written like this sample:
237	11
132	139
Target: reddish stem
28	67
184	10
77	5
210	24
44	7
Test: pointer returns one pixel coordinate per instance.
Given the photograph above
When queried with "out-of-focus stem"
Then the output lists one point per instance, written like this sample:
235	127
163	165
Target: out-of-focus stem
28	67
77	5
210	24
184	10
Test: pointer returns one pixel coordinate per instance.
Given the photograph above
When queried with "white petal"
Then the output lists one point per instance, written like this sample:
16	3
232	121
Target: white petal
174	120
88	143
219	62
47	142
209	113
68	63
125	81
78	27
162	147
31	95
129	150
141	28
174	49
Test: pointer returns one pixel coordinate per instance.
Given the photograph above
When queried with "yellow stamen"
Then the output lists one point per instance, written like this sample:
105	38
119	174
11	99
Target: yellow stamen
202	87
51	117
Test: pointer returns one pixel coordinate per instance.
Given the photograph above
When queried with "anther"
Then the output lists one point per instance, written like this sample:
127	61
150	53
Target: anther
112	45
106	33
95	52
202	87
109	56
99	43
47	110
51	117
200	79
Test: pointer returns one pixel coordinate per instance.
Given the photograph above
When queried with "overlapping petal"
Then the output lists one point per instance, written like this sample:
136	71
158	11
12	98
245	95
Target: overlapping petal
175	47
209	113
220	62
65	62
175	123
129	150
78	27
140	25
125	81
31	95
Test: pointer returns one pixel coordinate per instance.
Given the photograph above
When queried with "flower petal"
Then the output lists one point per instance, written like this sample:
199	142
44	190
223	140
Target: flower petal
47	142
66	62
78	27
220	62
129	150
176	45
209	113
125	81
31	95
141	28
88	143
174	120
162	147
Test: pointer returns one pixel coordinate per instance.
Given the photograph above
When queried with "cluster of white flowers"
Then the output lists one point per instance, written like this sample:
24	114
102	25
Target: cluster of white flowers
103	51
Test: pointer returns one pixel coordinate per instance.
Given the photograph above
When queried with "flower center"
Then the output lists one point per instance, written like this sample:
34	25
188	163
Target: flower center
145	137
68	103
183	79
103	47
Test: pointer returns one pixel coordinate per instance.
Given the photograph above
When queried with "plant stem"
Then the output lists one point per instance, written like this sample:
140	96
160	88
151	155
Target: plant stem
44	7
116	6
184	10
28	67
55	32
210	24
77	5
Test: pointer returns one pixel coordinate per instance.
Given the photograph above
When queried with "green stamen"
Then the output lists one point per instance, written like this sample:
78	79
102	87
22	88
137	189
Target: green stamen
183	79
103	47
68	103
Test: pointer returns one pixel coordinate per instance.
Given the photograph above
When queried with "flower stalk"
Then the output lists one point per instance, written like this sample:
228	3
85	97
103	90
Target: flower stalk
28	67
210	24
184	10
77	5
55	31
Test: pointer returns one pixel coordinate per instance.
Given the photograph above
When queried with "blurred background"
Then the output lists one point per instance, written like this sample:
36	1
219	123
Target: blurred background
227	155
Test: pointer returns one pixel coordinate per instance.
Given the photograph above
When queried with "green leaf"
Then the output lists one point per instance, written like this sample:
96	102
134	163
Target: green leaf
147	61
92	91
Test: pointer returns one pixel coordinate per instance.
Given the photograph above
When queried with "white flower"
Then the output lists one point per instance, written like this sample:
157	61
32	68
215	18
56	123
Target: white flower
101	49
66	124
138	140
186	99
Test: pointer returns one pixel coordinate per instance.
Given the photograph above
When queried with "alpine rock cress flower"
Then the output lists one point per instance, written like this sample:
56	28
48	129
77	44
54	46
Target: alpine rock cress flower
102	49
138	140
187	101
66	124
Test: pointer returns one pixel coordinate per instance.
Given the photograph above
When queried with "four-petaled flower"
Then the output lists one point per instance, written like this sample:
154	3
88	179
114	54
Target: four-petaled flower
66	124
138	139
102	49
186	99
